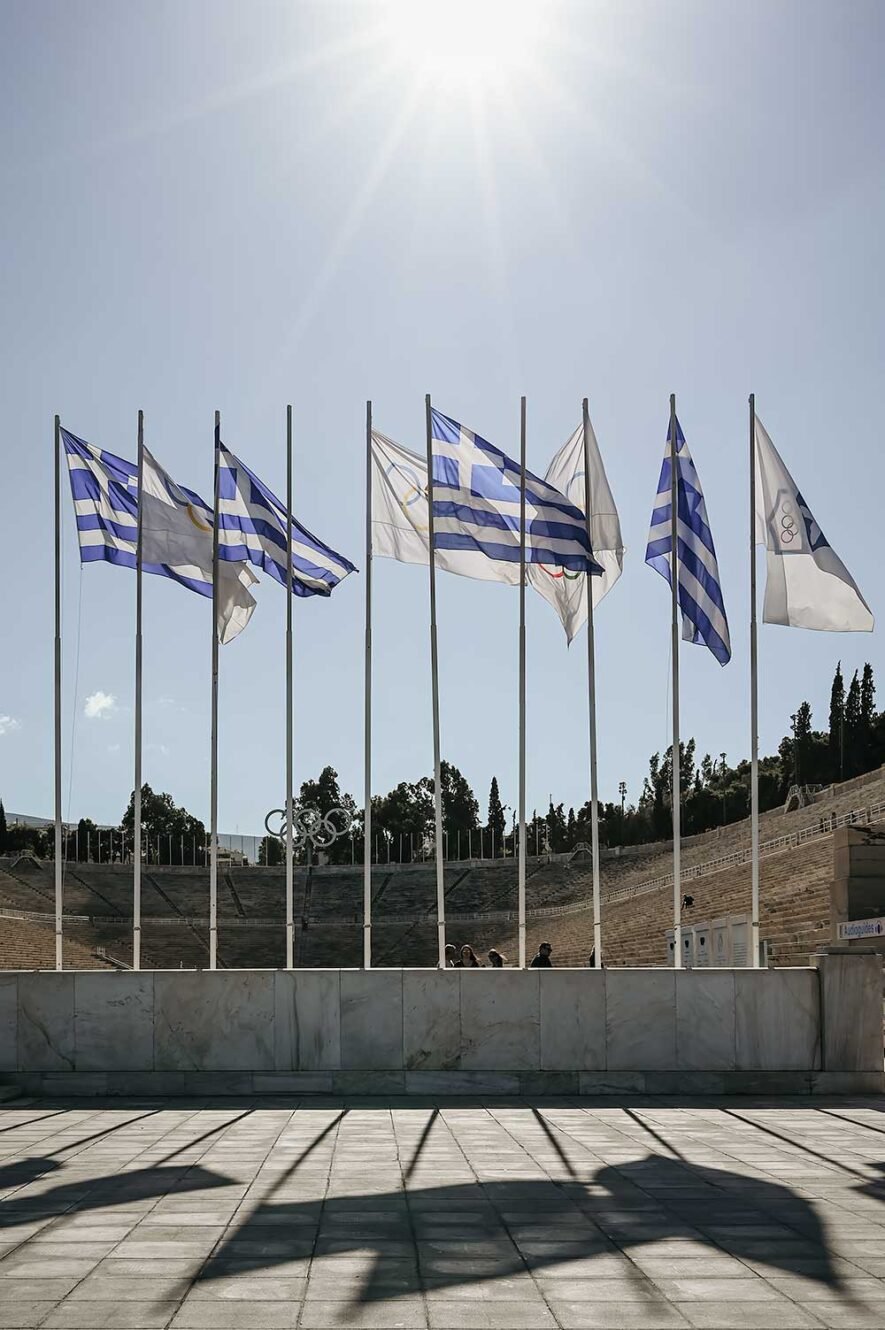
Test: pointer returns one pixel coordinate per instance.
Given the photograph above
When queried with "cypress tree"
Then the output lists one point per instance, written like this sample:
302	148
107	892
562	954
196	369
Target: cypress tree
837	723
3	830
853	730
867	717
496	816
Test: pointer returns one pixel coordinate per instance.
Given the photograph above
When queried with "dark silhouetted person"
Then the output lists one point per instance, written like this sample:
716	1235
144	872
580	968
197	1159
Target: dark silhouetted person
497	960
543	957
451	956
468	958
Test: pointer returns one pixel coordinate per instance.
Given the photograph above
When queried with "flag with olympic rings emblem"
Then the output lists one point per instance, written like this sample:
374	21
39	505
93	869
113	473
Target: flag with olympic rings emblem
807	584
399	517
565	590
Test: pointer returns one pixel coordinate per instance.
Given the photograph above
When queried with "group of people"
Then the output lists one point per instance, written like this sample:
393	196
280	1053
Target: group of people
465	957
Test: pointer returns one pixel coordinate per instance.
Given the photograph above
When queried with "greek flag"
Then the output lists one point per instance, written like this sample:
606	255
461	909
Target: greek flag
176	523
252	525
105	493
700	595
476	505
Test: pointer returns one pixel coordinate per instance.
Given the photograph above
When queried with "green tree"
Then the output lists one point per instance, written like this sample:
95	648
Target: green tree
854	736
403	820
495	824
557	829
837	724
271	852
83	843
868	717
170	834
460	809
324	795
3	829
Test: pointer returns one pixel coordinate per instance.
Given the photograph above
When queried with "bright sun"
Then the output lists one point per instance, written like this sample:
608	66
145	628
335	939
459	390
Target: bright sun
464	42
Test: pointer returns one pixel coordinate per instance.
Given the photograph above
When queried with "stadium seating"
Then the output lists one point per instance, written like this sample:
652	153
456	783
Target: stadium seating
481	900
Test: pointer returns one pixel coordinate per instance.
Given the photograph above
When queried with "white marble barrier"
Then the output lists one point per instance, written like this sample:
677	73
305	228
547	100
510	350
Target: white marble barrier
705	1020
213	1020
777	1020
640	1020
307	1020
312	1030
572	1020
113	1020
851	996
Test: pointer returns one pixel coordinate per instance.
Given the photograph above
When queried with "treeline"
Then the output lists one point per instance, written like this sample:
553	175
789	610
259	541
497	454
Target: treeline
714	793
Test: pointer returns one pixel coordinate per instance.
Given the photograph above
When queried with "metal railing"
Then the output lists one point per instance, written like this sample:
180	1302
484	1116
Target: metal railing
825	826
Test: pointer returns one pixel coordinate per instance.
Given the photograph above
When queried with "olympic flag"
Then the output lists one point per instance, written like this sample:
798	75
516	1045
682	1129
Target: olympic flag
808	585
399	517
565	590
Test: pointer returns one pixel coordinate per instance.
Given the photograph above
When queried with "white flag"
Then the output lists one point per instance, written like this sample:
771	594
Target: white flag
399	517
808	585
565	590
177	534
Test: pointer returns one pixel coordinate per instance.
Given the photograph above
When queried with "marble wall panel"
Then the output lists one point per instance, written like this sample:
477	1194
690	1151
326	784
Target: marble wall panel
705	1033
307	1020
500	1020
462	1082
46	1021
371	1020
8	1022
214	1020
851	992
431	1019
777	1020
113	1020
572	1020
640	1020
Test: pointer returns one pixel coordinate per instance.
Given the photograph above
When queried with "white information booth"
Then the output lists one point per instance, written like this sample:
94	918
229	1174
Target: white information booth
721	942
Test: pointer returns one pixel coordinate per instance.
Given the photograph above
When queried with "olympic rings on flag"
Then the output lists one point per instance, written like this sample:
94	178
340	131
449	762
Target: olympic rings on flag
788	523
563	572
310	826
413	494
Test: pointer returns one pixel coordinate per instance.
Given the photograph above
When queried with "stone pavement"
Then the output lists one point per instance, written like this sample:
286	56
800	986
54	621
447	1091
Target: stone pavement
507	1215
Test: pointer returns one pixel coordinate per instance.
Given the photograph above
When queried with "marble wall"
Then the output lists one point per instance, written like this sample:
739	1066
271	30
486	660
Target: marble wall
429	1031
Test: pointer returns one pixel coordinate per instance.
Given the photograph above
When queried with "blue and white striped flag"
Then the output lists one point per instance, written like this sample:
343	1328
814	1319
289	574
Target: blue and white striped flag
700	594
476	506
177	524
253	527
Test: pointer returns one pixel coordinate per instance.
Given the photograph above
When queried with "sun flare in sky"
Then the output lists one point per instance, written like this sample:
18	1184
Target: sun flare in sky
462	43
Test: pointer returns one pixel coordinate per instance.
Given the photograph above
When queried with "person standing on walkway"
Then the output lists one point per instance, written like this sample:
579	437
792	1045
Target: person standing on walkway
543	957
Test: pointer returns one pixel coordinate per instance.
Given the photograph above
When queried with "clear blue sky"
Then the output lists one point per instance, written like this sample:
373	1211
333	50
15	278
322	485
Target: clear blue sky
232	205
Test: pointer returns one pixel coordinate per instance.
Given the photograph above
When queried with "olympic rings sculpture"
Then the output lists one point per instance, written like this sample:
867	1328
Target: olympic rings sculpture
310	826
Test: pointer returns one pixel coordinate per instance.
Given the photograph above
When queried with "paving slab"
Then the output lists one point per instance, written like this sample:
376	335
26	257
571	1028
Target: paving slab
509	1214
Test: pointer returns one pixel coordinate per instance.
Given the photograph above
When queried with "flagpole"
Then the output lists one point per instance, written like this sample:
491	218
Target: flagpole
59	845
367	738
754	705
213	796
434	677
290	856
136	795
521	870
676	756
591	693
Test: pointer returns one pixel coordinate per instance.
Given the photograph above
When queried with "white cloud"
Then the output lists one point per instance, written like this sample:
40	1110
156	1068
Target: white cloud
8	725
113	748
99	705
